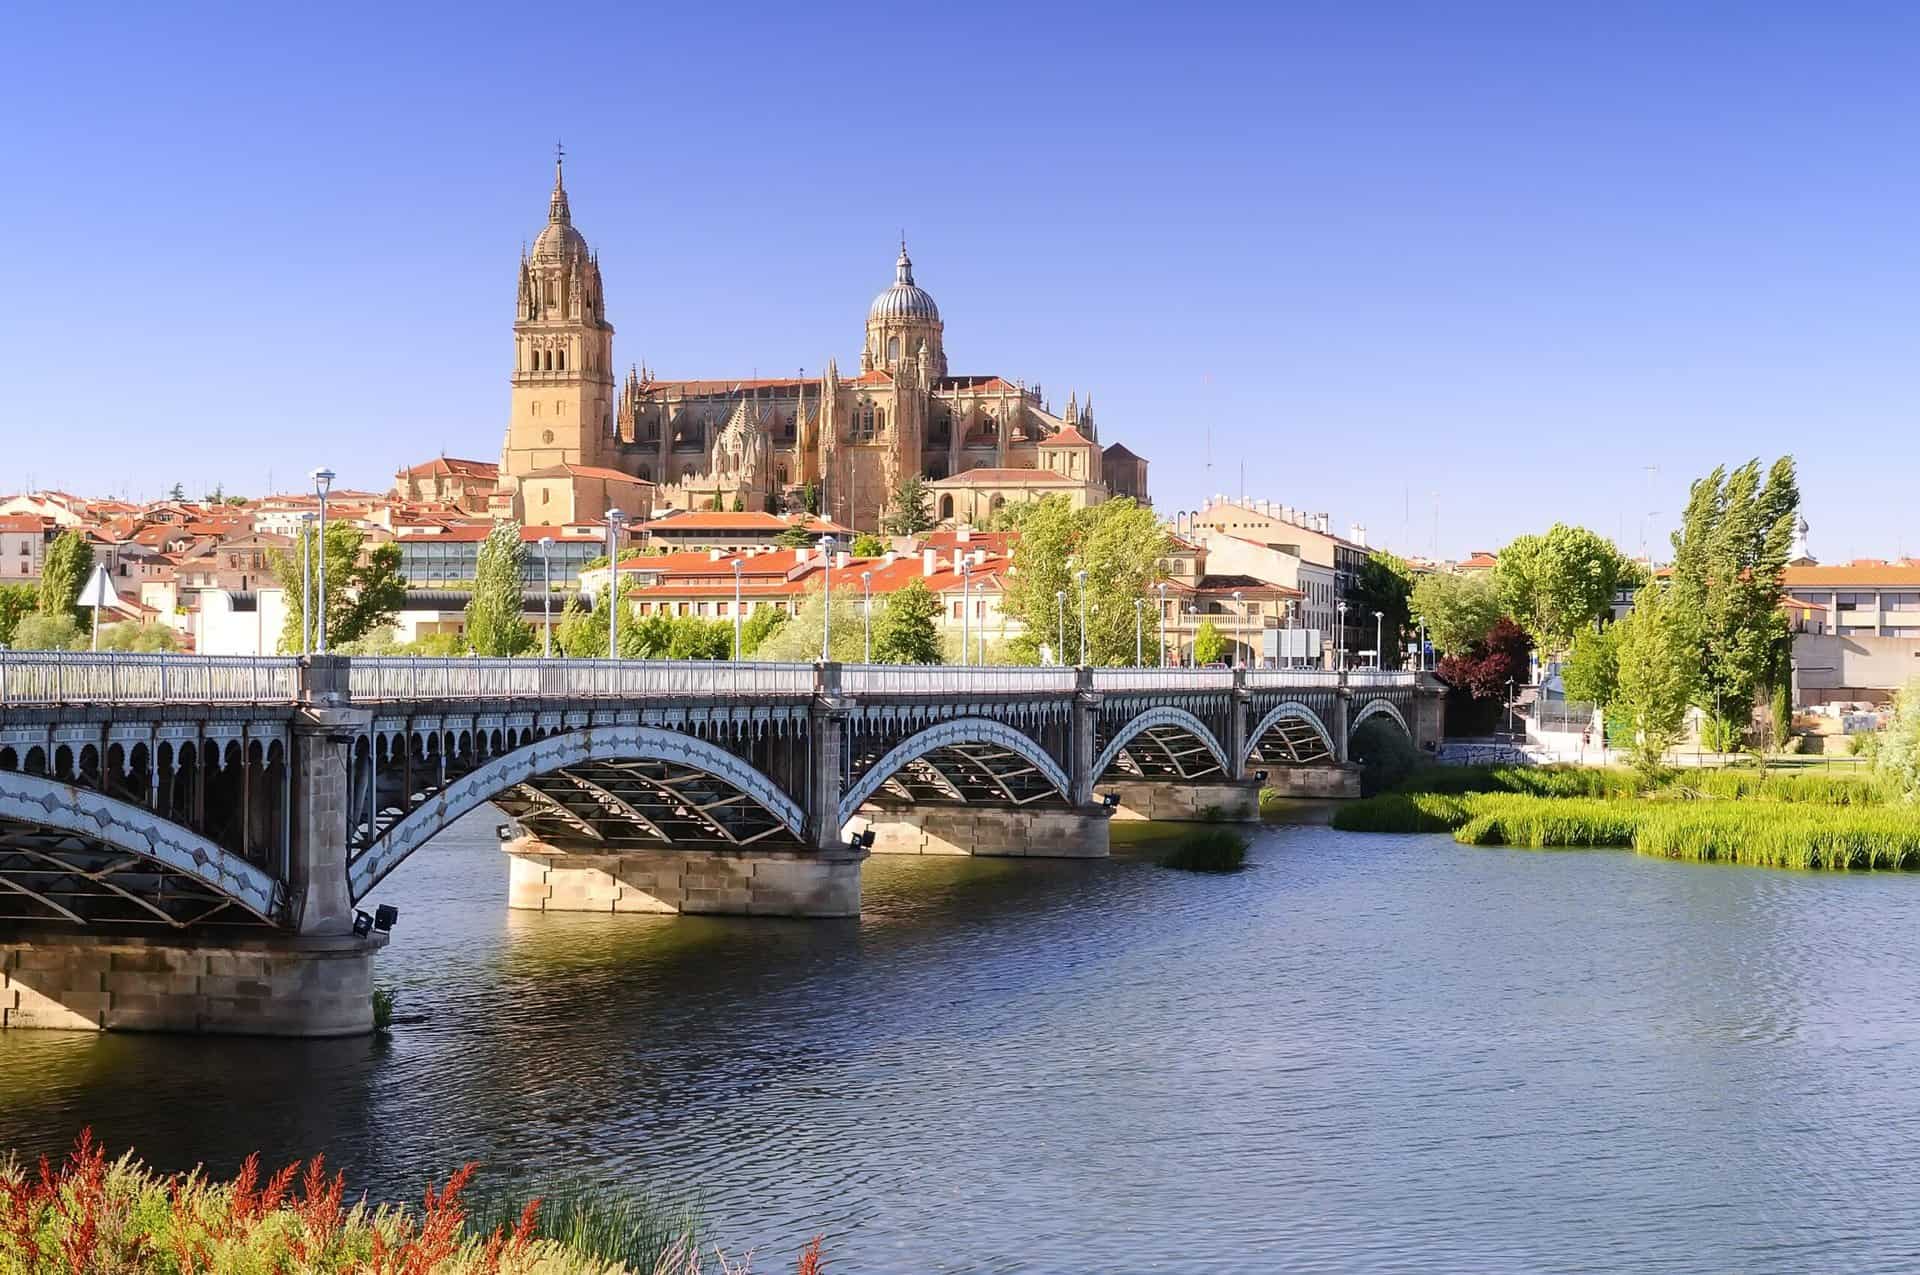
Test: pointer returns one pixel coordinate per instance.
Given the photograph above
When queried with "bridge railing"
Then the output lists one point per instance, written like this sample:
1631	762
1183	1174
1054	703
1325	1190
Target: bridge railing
1378	677
1300	678
413	678
1162	679
46	678
941	679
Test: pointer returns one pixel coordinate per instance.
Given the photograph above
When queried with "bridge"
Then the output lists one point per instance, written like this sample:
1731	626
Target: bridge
185	841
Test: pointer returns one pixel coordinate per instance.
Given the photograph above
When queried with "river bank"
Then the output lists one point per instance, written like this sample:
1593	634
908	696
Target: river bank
1744	816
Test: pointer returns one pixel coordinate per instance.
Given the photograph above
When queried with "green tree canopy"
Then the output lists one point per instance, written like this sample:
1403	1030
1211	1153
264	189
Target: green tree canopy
41	632
910	510
364	590
1728	560
1657	670
17	601
1384	583
1209	644
1459	608
1118	543
867	545
69	562
495	625
758	627
798	640
907	629
131	636
1591	671
1011	516
1557	584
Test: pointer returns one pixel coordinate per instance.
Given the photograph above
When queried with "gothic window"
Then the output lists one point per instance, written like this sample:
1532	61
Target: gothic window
880	419
893	350
780	475
563	360
863	424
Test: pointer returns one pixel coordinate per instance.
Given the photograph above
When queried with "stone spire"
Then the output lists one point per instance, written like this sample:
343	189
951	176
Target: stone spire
557	205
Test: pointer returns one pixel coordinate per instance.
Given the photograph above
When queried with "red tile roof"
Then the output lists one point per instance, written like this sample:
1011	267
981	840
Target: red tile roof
22	522
1861	571
1007	478
564	470
446	466
1066	436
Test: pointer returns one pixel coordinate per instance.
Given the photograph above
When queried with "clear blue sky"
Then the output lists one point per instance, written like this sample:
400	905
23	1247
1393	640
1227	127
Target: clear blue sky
1510	253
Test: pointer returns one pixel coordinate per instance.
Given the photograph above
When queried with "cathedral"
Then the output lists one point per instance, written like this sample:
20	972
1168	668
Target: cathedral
837	444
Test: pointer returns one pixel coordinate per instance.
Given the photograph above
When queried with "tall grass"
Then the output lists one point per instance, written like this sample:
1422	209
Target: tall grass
1208	850
631	1230
1404	812
1736	784
92	1217
1506	819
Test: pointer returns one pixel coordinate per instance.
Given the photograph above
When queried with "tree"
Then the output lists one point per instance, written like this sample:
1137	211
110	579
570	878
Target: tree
798	640
1486	666
795	537
867	545
68	563
177	492
1209	644
910	510
759	626
495	625
1011	516
41	632
1557	584
1728	559
1459	608
131	636
1657	673
1384	583
1591	672
364	590
17	601
739	503
1897	759
1118	543
907	629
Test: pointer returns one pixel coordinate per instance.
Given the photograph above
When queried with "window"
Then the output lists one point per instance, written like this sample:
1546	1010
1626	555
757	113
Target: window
546	495
533	408
893	350
563	360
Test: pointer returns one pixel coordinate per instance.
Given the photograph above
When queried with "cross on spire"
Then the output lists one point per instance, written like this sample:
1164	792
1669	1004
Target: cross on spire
559	154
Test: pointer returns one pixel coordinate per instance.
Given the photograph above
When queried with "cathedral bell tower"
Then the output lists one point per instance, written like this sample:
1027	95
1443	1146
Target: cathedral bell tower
901	322
563	352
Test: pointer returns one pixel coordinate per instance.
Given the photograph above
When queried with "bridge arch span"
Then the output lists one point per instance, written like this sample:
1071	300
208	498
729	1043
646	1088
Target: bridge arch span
954	733
1162	718
549	754
1280	715
1381	708
124	854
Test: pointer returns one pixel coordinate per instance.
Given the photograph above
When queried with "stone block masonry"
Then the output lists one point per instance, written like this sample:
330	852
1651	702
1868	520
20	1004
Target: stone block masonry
275	986
986	831
1185	801
715	882
1315	782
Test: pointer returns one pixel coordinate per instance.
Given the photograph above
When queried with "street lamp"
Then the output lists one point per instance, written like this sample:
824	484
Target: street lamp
306	584
736	610
1421	661
1163	623
1060	611
866	582
827	547
966	607
1240	621
1138	650
1340	639
546	598
1511	718
614	519
322	484
1379	630
1081	577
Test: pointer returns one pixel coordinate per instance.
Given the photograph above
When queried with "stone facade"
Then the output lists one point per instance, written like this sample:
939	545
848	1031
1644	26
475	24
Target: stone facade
987	832
1176	802
257	987
776	444
718	882
1315	782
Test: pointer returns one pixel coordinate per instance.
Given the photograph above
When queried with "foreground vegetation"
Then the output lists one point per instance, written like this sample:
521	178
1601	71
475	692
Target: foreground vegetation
89	1215
1772	820
1208	849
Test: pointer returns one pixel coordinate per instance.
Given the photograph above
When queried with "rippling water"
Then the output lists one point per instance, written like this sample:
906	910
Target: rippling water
1363	1054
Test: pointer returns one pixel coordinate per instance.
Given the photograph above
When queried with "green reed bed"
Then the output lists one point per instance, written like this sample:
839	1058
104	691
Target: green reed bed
1540	823
1730	783
1404	812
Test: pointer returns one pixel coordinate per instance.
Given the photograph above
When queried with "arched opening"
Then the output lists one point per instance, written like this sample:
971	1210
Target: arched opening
1290	734
1162	743
969	760
946	508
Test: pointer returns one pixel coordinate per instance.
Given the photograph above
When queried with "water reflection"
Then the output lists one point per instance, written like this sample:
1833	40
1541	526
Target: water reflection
1363	1053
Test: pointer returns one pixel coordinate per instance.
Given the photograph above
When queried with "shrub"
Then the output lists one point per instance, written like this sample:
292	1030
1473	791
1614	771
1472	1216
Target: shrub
1385	754
1208	850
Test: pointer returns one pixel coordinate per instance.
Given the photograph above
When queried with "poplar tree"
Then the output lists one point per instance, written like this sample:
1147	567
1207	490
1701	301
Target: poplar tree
69	562
495	623
1656	673
1729	557
906	630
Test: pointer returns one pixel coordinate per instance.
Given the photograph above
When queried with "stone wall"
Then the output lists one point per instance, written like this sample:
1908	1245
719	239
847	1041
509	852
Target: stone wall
263	987
1179	801
720	882
1314	781
986	831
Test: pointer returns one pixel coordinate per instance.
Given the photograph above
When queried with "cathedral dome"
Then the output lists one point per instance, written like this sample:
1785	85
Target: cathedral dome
905	299
559	240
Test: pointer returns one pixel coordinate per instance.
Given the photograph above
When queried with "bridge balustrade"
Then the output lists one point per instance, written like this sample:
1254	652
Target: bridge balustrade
940	679
1162	679
1375	677
48	678
413	678
1295	678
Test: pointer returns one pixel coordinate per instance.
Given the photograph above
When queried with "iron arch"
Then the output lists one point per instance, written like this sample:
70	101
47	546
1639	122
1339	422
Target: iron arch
1164	715
33	801
1377	707
1291	710
958	730
556	752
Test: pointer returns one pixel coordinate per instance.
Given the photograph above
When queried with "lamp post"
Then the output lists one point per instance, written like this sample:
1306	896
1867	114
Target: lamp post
1510	713
866	582
1060	612
1080	577
306	584
1240	622
1139	659
736	610
1421	661
1163	624
546	596
322	484
1340	640
1379	631
827	547
966	607
614	519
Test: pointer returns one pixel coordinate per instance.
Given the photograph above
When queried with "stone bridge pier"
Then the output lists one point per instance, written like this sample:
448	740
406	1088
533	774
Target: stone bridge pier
191	843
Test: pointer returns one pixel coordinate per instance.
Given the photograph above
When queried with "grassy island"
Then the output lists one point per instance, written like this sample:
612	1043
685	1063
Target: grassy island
1776	820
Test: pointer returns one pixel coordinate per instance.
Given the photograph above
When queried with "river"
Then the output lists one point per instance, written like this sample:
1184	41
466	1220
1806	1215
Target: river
1364	1053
